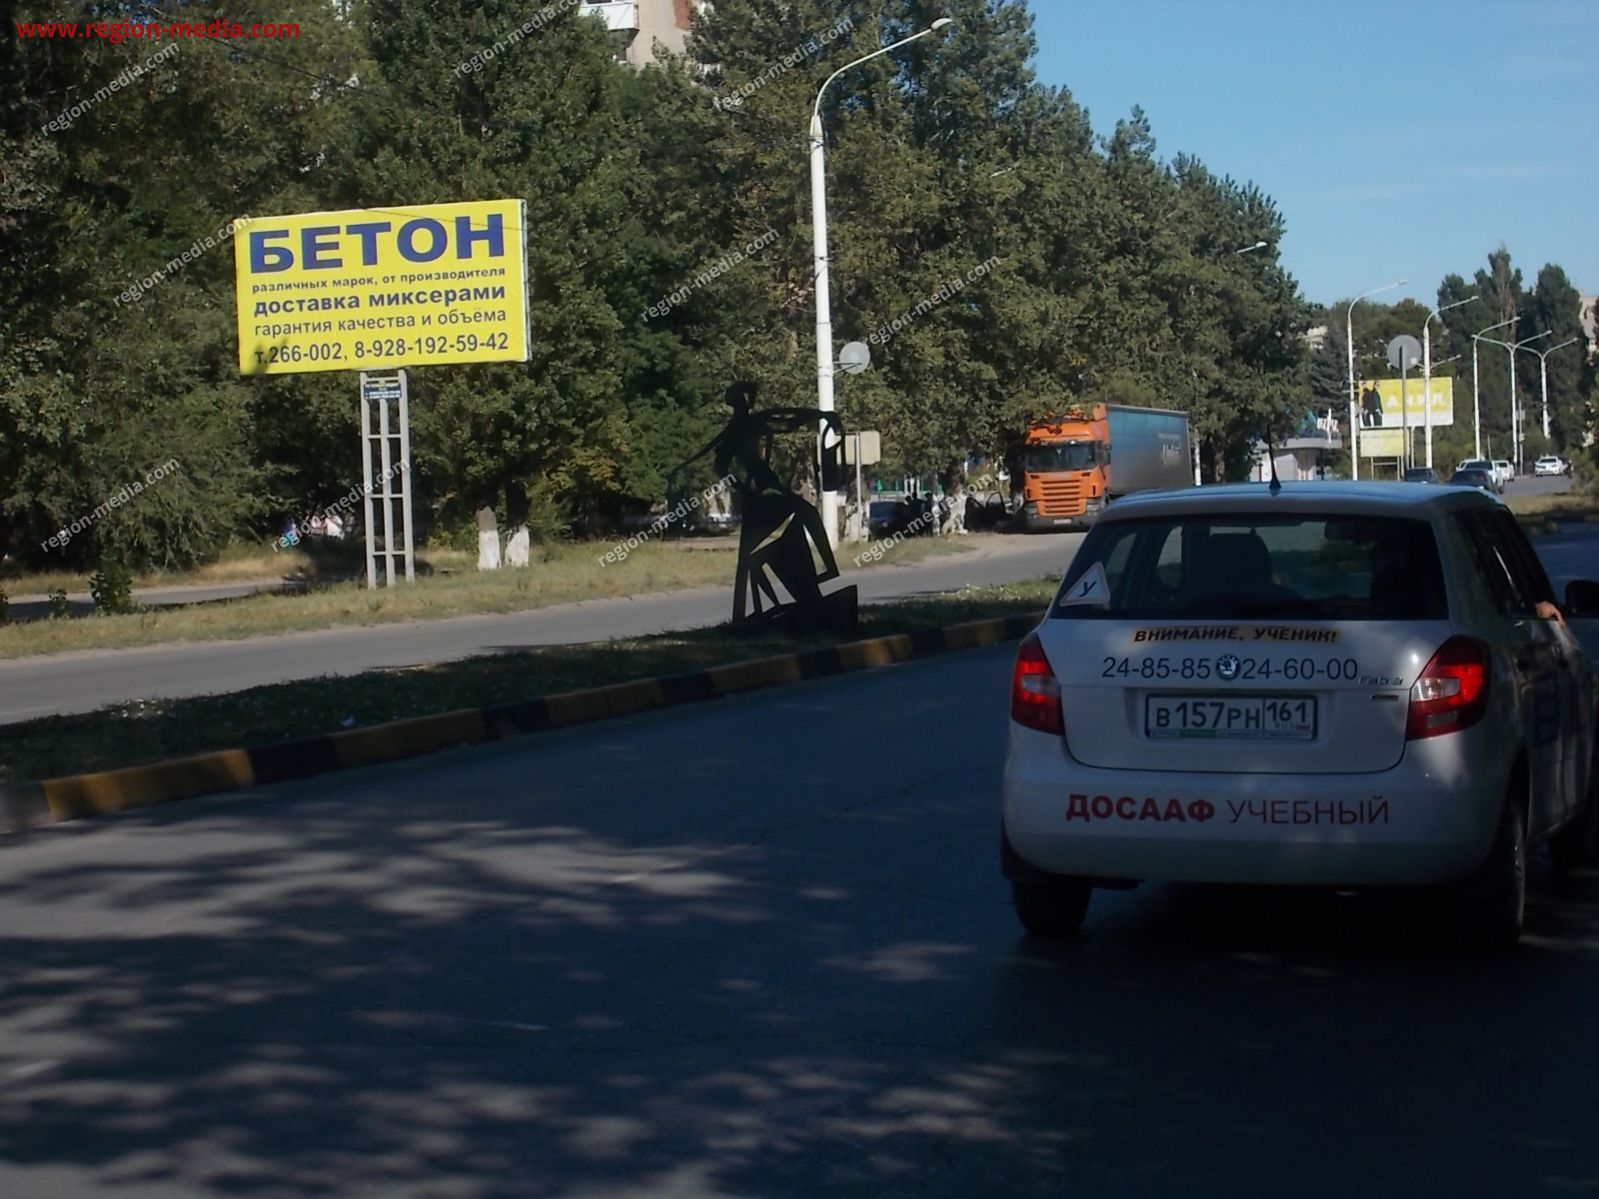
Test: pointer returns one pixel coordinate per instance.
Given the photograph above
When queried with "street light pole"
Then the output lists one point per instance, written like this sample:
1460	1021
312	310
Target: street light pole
1515	417
1543	374
1476	404
1349	343
1426	361
826	498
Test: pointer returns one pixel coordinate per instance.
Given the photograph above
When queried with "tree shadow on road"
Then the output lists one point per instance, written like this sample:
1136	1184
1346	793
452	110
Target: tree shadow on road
502	991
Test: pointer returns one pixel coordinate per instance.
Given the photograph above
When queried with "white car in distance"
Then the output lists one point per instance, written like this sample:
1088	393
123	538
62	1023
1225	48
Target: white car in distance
1341	685
1550	464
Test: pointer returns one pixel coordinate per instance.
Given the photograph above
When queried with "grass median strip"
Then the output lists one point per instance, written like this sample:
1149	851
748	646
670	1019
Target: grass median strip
143	731
1554	506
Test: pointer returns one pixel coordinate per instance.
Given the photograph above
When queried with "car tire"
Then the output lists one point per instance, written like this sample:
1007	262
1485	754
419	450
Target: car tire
1577	844
1053	909
1490	907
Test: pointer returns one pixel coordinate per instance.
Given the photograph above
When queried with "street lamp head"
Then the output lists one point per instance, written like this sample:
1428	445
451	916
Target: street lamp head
940	23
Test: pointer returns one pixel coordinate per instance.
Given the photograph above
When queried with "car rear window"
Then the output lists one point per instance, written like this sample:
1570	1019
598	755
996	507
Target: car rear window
1207	566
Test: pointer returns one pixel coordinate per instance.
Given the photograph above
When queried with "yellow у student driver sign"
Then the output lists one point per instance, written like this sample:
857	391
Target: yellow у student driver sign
374	289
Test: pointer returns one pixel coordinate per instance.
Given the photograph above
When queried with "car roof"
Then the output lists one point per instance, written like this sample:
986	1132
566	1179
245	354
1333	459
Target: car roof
1414	500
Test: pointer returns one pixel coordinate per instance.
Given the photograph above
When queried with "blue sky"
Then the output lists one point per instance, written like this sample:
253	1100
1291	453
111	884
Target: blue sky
1404	139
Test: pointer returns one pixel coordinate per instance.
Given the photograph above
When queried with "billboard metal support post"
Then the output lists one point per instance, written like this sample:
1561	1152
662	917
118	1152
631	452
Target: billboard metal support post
366	490
384	494
380	391
1404	413
405	474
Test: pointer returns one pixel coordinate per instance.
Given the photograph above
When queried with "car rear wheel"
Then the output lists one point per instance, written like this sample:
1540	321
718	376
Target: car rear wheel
1491	906
1052	909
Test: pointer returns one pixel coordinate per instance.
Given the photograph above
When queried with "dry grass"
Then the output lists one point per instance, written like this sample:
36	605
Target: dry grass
1561	505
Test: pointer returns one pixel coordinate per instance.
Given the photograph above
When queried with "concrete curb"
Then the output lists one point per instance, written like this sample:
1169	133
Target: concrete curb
52	801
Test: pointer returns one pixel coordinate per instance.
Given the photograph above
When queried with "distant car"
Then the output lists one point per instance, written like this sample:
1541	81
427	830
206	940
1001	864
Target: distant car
1503	472
1421	474
1338	685
1483	465
883	518
1551	464
910	516
1474	477
1474	464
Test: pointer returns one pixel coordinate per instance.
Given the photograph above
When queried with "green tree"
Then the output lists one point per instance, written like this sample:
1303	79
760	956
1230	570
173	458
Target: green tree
1327	373
1554	308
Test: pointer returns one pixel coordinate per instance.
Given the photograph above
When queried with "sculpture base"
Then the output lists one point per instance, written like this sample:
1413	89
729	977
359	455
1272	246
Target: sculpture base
838	613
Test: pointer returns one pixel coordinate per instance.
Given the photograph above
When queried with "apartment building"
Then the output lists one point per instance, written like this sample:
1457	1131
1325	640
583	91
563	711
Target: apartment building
641	25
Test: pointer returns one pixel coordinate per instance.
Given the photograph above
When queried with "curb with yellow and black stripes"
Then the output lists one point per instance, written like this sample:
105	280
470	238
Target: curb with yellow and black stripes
75	796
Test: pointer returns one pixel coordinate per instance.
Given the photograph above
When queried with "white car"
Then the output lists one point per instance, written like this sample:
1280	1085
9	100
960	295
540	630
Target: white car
1484	465
1550	464
1504	471
1333	684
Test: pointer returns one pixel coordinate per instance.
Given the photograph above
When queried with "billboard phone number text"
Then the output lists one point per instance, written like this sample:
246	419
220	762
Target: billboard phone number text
384	347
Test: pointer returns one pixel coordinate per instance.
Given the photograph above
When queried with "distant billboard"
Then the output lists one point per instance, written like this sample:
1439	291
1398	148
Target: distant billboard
380	288
1382	443
1379	404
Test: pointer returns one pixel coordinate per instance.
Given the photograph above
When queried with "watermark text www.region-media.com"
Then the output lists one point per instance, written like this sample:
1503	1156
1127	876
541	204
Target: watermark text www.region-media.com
124	31
620	551
170	467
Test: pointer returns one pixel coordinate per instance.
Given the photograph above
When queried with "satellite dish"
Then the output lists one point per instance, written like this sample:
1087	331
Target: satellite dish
854	358
1404	352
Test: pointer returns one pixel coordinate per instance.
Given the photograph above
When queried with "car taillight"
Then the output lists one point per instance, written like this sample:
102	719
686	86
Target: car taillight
1452	692
1034	690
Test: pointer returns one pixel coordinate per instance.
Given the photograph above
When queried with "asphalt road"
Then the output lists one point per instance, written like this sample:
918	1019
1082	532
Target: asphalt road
82	681
745	949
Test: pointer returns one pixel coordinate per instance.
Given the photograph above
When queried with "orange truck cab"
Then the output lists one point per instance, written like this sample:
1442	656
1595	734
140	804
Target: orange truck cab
1076	462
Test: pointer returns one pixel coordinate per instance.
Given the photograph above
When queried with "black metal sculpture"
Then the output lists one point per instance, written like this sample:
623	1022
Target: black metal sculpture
781	535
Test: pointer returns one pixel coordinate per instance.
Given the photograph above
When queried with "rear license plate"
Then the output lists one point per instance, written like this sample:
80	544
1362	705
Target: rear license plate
1234	717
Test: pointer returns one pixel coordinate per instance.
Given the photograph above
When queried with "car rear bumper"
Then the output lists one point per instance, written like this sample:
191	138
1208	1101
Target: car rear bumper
1414	824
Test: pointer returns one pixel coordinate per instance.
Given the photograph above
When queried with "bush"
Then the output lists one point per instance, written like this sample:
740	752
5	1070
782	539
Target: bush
549	516
111	585
60	607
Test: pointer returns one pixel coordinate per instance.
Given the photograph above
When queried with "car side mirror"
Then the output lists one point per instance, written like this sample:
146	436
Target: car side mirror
1582	598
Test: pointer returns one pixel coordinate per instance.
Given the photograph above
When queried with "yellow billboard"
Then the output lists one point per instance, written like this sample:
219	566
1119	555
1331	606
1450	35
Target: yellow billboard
1382	443
378	288
1379	403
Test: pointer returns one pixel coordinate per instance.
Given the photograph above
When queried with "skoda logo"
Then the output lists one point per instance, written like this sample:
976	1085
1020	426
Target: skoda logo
1227	666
